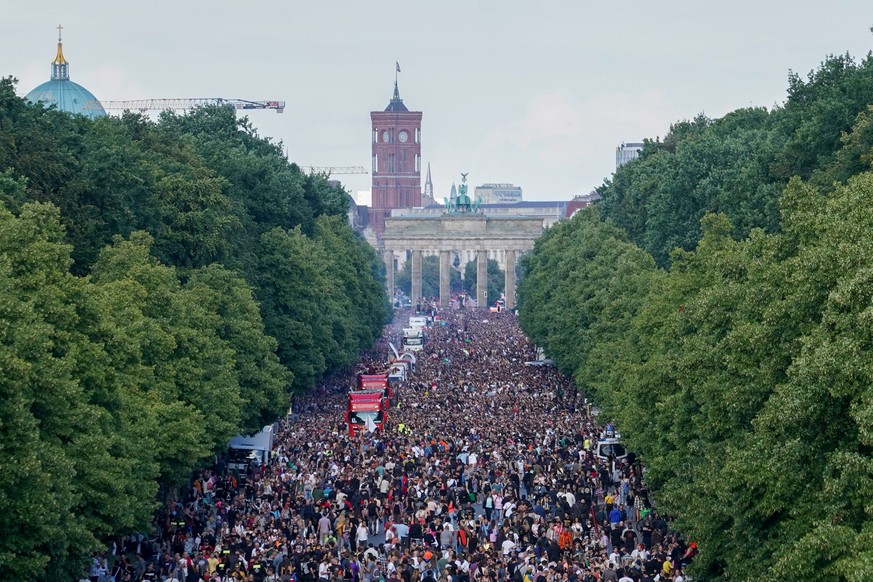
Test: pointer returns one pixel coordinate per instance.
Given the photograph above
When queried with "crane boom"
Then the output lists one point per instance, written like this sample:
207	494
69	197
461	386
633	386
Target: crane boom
334	169
192	103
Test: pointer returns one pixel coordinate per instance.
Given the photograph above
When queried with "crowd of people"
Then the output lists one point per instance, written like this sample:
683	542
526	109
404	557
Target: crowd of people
486	471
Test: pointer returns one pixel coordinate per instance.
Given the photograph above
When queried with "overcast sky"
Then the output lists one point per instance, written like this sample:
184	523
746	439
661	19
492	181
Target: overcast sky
536	93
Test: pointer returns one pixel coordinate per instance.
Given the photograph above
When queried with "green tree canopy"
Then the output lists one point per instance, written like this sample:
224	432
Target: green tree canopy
717	307
496	279
165	285
430	277
739	164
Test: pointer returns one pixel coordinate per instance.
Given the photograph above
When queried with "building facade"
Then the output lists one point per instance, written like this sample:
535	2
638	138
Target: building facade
449	235
627	152
498	193
396	169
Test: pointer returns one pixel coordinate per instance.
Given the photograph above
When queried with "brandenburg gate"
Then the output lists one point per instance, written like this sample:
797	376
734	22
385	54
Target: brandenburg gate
461	228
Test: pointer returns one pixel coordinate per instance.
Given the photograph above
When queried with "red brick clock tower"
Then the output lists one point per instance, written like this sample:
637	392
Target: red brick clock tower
396	169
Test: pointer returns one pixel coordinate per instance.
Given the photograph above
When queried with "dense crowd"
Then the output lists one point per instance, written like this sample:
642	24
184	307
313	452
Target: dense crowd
485	472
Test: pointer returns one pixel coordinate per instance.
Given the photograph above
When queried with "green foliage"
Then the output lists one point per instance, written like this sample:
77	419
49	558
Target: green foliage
739	164
357	289
132	346
430	277
12	190
42	404
262	378
739	367
320	297
742	375
496	279
573	291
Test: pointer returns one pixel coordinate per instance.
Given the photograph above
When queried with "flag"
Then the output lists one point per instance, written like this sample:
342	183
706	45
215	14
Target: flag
398	66
369	419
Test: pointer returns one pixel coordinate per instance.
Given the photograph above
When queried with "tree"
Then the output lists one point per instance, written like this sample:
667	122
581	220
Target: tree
166	347
740	375
262	379
430	277
42	403
292	289
496	279
132	347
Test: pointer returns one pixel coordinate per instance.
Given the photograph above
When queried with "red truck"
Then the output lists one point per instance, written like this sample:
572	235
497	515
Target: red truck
373	382
378	382
368	411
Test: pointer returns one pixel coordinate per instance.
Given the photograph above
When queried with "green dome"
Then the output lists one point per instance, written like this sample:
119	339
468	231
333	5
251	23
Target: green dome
67	96
63	93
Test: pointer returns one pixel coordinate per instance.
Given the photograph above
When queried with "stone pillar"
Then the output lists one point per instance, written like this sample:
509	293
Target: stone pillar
510	280
482	278
388	258
445	278
416	278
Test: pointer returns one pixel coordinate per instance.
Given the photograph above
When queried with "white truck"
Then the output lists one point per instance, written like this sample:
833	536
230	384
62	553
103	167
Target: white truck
256	449
413	339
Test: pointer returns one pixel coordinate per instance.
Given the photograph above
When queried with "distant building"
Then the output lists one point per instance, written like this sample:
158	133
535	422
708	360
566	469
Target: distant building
550	211
627	152
498	193
579	202
64	94
363	198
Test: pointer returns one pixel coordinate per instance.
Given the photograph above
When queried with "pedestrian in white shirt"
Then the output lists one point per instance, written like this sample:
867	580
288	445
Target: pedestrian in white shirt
362	535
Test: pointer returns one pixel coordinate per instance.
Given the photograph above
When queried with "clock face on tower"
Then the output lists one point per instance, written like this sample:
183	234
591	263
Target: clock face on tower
402	136
386	136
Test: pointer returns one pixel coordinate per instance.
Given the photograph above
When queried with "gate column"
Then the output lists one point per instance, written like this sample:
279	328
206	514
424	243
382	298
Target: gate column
416	277
482	278
510	280
445	278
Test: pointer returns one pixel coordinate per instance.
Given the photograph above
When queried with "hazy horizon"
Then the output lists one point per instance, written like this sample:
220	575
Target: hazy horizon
534	94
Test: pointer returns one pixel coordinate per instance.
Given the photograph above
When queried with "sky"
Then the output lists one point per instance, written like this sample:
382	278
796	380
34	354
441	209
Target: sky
534	93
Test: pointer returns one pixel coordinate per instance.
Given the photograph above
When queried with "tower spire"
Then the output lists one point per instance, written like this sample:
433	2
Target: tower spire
428	183
396	103
60	66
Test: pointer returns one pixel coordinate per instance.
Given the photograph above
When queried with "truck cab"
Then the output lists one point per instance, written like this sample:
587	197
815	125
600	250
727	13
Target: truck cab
413	339
367	411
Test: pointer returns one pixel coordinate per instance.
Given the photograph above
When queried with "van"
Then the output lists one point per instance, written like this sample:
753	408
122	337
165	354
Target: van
610	448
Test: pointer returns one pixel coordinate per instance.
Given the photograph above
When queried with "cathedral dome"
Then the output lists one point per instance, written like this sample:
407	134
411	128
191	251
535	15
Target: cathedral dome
65	94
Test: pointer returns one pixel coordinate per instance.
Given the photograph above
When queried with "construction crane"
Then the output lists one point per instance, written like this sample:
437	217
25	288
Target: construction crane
144	105
334	170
